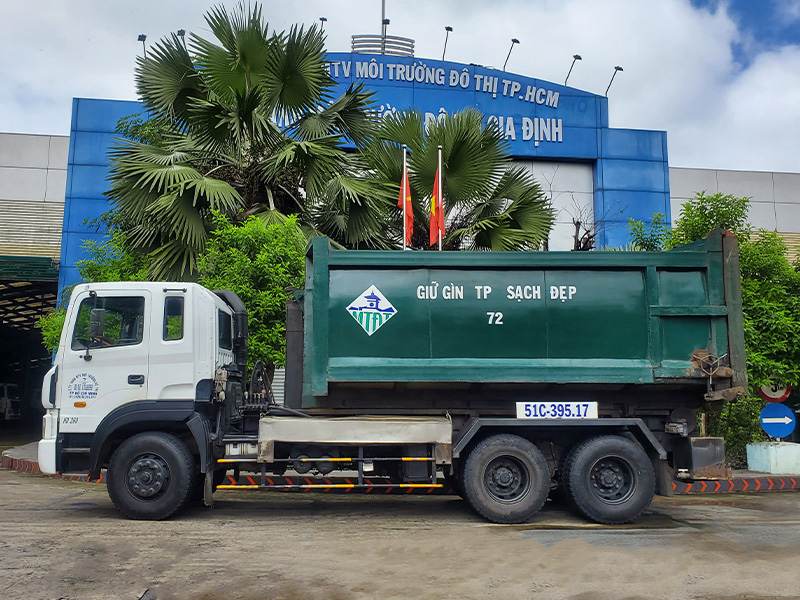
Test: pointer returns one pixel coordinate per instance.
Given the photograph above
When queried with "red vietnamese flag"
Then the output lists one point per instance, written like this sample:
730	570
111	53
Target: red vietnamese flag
437	211
408	208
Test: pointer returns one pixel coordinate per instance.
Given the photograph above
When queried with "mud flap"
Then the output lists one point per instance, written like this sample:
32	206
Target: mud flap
208	489
664	477
701	458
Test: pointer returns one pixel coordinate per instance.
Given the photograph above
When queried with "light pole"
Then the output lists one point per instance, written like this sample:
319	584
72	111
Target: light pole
513	41
182	34
322	21
616	69
447	29
575	57
142	37
383	38
384	23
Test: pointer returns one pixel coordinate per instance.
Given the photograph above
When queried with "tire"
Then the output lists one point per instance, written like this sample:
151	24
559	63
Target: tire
150	476
506	479
609	479
559	495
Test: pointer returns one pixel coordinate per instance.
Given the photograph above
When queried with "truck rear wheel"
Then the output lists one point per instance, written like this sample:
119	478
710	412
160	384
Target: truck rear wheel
151	476
506	479
609	479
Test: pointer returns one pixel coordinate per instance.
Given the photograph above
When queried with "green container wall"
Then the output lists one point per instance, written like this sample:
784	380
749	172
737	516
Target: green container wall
550	317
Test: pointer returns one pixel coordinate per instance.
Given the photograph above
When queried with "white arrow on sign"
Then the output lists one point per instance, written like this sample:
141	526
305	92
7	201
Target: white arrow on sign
783	420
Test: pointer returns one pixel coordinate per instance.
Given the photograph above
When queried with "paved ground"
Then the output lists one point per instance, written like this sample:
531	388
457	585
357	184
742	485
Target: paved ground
64	539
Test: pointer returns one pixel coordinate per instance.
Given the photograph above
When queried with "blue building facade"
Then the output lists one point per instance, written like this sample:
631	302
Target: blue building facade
90	137
541	120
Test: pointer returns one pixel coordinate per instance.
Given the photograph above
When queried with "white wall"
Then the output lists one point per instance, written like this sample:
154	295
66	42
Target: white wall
33	178
774	197
571	187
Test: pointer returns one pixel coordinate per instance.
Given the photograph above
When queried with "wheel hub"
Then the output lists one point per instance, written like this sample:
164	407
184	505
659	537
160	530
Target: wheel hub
147	476
506	479
612	480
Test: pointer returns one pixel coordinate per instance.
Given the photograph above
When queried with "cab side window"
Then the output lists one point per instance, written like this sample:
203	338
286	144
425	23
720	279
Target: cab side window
123	324
225	330
173	318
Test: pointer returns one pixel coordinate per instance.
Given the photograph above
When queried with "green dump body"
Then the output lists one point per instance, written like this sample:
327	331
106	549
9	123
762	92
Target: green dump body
596	318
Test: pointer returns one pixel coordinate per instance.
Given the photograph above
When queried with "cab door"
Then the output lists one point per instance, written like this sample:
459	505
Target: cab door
172	358
101	373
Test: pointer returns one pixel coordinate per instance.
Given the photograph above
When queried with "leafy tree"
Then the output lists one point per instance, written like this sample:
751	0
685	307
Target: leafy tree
488	204
147	131
113	260
704	213
652	236
251	129
771	307
259	263
51	324
771	302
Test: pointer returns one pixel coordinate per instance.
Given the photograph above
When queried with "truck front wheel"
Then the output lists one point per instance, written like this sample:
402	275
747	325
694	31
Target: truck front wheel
609	479
150	476
506	479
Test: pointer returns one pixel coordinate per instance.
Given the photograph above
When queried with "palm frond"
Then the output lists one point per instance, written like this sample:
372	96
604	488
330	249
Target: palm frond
166	81
173	261
319	160
515	216
213	194
350	115
175	216
130	151
296	73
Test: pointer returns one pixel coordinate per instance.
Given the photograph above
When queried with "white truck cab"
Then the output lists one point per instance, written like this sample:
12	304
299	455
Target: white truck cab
130	353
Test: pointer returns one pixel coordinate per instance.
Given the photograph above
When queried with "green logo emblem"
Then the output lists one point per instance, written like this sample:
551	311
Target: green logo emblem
371	310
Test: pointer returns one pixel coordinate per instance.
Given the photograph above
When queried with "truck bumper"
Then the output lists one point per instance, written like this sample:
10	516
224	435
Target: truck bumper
47	456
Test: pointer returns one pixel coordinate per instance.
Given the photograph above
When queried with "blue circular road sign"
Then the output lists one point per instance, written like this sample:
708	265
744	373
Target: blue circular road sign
778	420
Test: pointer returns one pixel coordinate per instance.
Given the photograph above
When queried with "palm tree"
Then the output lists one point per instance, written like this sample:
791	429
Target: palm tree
251	129
489	204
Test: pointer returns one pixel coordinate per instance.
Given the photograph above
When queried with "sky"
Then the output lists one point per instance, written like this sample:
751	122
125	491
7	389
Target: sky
721	77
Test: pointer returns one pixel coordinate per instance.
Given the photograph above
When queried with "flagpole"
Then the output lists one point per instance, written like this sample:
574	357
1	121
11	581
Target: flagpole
441	199
405	195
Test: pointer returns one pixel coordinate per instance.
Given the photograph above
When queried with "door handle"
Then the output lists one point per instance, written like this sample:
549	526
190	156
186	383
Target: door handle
136	379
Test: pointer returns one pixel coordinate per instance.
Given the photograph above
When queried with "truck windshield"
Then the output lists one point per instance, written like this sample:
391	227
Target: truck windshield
123	326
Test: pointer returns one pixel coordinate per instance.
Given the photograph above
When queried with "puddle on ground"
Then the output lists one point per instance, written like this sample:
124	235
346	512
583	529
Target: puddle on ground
560	520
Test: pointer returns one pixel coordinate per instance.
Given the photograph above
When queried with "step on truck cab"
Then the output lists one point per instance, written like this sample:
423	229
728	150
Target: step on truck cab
502	377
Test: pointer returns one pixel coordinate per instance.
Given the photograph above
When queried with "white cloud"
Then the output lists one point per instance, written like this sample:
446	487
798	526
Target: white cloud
788	10
679	70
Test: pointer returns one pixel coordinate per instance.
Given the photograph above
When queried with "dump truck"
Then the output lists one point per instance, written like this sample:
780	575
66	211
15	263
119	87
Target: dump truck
503	377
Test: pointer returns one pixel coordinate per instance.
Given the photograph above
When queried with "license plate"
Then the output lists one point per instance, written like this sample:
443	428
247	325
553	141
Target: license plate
556	410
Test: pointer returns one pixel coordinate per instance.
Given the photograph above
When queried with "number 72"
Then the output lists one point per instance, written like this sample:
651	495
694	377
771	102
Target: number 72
495	318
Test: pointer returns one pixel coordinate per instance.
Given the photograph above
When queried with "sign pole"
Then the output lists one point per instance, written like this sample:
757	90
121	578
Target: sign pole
405	195
441	200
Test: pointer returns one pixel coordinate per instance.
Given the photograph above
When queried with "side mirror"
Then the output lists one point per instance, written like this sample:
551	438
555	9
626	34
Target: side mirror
97	321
